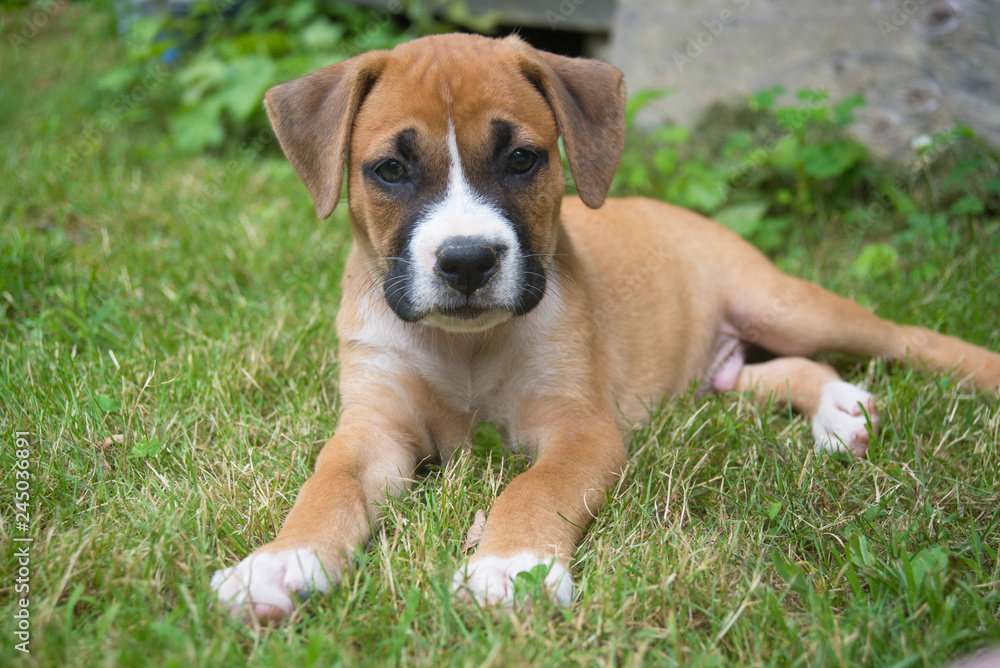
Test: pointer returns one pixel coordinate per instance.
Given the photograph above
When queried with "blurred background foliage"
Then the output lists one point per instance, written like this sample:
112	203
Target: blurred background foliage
228	54
760	167
197	76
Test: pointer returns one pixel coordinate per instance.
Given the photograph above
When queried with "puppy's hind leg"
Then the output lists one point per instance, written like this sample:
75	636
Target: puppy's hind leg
788	316
840	412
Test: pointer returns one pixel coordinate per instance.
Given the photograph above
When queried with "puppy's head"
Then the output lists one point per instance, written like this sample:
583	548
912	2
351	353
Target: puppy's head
455	178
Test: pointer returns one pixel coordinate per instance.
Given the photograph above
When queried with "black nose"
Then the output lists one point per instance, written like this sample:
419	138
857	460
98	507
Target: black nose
467	265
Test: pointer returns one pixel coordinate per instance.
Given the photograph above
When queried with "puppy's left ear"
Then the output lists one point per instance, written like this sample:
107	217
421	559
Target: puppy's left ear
588	99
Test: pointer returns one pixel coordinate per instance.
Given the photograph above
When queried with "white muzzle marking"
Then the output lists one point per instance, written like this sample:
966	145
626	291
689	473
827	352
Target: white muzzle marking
463	213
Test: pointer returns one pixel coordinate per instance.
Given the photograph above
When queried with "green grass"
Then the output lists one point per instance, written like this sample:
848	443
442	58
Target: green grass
140	299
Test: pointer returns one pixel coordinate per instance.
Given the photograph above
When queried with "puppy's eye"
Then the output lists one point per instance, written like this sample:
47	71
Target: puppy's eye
391	171
521	161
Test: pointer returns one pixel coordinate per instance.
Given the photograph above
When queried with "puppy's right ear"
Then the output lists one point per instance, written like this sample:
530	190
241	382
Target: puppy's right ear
312	118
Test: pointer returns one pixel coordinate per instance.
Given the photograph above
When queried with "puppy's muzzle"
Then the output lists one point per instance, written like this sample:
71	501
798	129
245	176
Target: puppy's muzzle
468	264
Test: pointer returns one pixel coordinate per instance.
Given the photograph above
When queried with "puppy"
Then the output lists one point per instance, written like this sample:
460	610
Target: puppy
476	291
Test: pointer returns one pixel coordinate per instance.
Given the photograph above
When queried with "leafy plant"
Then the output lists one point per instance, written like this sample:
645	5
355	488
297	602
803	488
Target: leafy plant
767	169
658	159
225	57
146	446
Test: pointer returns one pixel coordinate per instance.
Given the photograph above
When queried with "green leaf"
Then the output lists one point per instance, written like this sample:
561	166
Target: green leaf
321	35
145	36
785	154
641	99
146	447
744	219
852	577
968	205
666	160
772	234
199	127
246	81
117	78
860	551
702	195
300	12
107	404
872	512
831	159
765	99
993	185
487	441
844	111
923	223
531	583
934	559
875	261
774	509
792	574
458	13
798	119
961	172
199	79
812	96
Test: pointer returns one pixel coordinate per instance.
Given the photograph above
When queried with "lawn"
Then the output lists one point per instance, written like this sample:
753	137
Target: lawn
187	302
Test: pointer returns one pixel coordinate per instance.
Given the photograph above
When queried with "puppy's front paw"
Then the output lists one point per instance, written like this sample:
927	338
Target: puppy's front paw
490	580
840	424
262	585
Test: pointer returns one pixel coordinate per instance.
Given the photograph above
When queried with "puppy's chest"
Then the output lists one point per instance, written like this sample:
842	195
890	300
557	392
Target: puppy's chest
466	381
458	379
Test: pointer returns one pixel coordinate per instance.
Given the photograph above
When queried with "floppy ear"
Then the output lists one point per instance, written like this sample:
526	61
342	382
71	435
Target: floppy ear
312	118
588	98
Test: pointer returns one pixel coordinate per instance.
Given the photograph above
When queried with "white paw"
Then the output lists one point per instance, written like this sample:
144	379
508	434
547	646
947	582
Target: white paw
840	424
490	580
262	585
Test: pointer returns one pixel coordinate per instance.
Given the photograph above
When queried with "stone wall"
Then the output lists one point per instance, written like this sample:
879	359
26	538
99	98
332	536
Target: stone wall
922	65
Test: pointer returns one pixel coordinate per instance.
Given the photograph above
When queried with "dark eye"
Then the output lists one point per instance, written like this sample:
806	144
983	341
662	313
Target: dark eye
391	171
521	161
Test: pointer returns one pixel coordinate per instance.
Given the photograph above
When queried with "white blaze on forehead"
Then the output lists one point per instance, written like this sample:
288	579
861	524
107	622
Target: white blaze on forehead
462	213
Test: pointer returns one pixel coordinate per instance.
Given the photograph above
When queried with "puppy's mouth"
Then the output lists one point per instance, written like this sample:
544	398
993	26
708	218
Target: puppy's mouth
468	312
464	311
467	318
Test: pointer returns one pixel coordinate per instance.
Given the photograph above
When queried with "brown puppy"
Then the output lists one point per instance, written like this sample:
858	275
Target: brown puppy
475	291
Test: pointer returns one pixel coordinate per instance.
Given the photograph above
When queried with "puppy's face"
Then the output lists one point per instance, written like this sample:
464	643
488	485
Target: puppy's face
455	184
455	178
